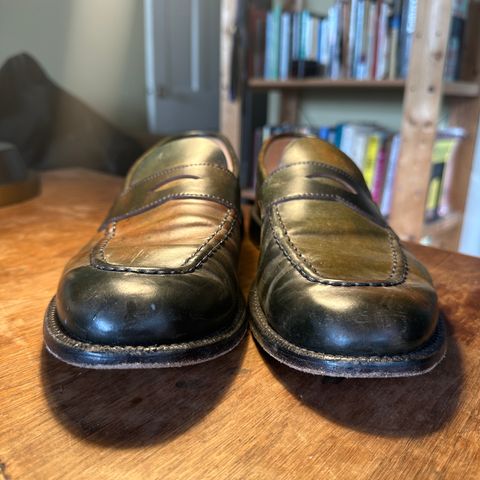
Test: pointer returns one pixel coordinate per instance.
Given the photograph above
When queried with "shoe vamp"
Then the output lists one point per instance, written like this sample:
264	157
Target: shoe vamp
333	242
167	236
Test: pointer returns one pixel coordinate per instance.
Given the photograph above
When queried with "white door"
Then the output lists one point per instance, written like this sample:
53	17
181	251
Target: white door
182	64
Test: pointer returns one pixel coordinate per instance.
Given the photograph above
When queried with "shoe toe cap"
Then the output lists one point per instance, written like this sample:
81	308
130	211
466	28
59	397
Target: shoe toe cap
355	320
124	308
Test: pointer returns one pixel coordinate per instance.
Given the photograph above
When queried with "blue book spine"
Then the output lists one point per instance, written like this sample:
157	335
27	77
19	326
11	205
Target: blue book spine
357	55
338	135
303	35
319	42
277	14
296	36
285	46
323	133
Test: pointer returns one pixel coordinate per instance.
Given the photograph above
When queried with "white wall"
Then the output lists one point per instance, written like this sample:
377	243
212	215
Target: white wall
92	48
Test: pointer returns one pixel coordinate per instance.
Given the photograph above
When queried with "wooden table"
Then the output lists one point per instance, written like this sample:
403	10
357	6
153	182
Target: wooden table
242	416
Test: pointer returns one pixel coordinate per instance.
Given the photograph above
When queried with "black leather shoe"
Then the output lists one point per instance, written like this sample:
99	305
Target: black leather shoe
157	285
336	293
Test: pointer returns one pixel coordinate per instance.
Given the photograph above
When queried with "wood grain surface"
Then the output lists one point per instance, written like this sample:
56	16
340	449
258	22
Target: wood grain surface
242	416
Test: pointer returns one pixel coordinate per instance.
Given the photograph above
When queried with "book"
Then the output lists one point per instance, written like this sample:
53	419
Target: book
455	42
451	138
395	21
360	39
382	46
267	66
407	30
351	38
440	153
371	38
393	153
380	172
285	52
371	156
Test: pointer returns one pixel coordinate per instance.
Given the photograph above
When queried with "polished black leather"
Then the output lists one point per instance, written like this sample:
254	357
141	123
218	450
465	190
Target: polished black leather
332	276
162	268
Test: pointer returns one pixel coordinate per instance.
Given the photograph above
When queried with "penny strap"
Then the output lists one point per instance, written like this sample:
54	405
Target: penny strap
304	181
201	181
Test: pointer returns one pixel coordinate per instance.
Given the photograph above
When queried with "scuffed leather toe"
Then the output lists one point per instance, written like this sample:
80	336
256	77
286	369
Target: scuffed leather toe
340	321
115	308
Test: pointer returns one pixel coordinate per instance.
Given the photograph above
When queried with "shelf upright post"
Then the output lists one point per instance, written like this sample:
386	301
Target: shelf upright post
421	106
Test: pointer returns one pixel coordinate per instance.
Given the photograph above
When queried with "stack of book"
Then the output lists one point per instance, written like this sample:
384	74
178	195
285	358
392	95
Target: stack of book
375	150
358	39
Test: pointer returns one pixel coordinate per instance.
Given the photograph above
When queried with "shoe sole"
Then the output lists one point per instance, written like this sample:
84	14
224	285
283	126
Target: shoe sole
96	356
417	362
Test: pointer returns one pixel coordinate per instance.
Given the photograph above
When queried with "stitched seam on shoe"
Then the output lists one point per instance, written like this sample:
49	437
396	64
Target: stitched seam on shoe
325	165
207	240
148	270
342	283
173	169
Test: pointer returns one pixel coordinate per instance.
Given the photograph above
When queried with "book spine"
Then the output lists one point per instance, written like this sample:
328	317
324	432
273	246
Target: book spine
382	43
303	35
363	73
376	40
323	133
395	23
338	135
285	46
335	36
319	40
277	13
351	35
345	39
454	49
324	42
409	19
359	39
267	67
371	159
371	39
308	37
379	176
296	36
314	49
346	143
386	203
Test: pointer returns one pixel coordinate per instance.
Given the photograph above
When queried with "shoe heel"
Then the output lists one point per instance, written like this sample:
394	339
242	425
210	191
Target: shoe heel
255	228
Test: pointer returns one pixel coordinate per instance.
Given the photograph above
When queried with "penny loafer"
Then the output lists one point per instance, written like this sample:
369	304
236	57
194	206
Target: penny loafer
335	293
157	285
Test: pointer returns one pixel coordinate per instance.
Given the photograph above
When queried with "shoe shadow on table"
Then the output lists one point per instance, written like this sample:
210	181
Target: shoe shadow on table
392	407
132	408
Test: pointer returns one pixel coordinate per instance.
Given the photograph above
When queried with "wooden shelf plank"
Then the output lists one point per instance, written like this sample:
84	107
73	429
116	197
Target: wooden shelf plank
453	89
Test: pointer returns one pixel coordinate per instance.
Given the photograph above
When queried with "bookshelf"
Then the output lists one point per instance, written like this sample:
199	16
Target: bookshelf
423	92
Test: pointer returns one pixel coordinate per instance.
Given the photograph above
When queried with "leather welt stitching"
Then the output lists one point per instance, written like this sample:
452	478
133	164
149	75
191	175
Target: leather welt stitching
304	273
100	251
226	217
162	173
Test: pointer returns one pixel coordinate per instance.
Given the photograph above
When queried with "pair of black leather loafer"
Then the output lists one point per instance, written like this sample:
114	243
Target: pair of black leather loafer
335	293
